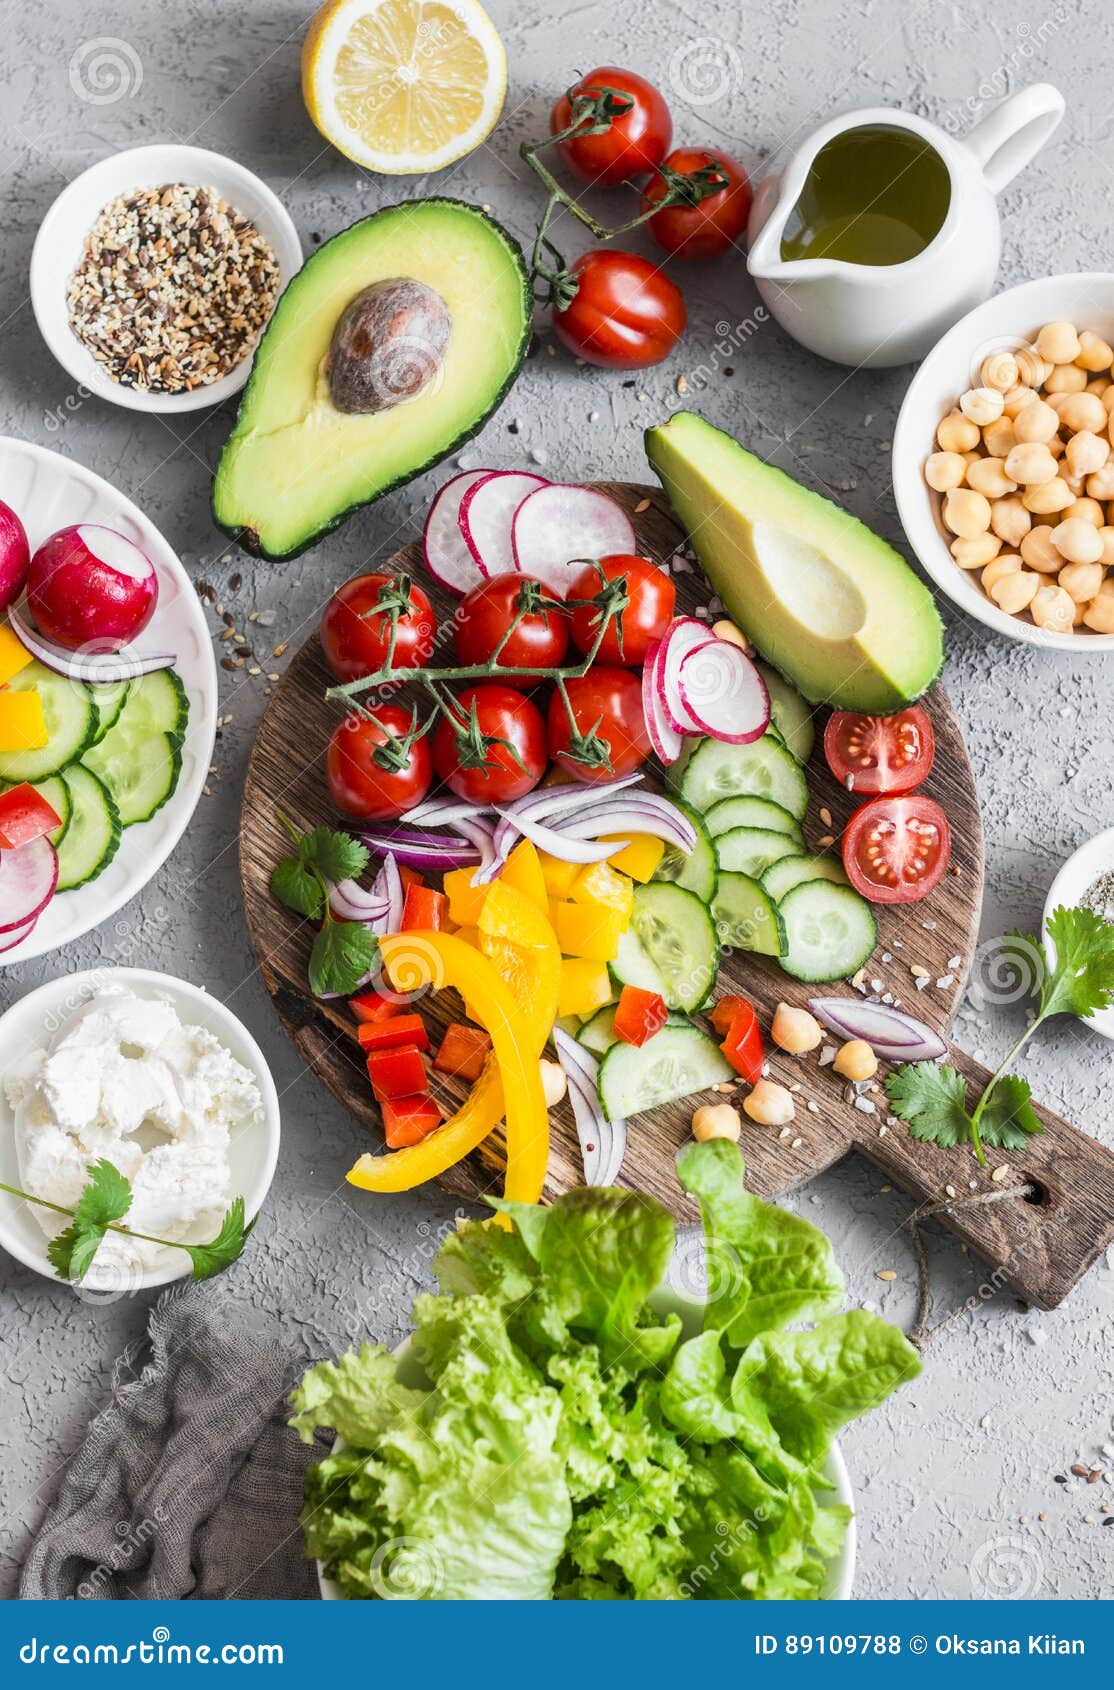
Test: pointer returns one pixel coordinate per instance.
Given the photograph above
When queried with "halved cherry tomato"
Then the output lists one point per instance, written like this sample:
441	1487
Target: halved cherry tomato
896	849
607	709
879	753
489	610
716	223
494	748
625	315
635	142
644	621
356	626
372	774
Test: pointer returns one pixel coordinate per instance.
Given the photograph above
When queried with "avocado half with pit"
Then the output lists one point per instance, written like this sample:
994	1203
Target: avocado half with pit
393	344
824	599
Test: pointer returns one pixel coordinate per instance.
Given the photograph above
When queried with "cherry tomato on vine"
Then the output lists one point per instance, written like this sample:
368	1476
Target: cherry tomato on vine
540	639
634	144
648	614
896	849
366	787
607	710
879	753
494	749
355	634
625	314
710	228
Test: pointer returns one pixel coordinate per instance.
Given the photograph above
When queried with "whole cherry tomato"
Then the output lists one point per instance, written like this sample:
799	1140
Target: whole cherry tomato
896	849
540	638
716	223
628	638
879	753
494	749
356	626
375	770
635	142
625	315
606	706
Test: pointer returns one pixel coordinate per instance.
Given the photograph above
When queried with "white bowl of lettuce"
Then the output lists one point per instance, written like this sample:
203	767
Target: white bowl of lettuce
563	1425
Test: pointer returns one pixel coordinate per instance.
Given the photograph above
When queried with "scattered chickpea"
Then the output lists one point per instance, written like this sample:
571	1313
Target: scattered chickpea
1086	453
1031	366
983	405
1016	400
1094	352
967	513
1083	410
554	1083
1039	553
769	1104
1015	592
716	1120
1046	497
1006	563
1097	386
1010	520
1038	422
734	636
972	553
1058	343
1030	463
1106	535
1000	370
1077	540
1100	485
1053	610
1065	378
1107	399
988	477
1081	581
856	1061
999	438
957	433
795	1030
943	471
1086	510
1099	614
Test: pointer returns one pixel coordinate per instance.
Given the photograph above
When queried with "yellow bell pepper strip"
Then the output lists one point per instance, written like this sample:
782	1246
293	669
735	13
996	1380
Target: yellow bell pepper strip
640	857
465	900
588	930
22	723
14	655
523	871
601	888
521	943
510	1085
585	987
557	874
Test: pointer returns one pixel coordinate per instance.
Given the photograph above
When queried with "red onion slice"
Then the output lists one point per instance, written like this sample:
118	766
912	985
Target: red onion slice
91	670
638	812
602	1142
28	876
722	690
891	1033
420	849
388	888
562	845
349	901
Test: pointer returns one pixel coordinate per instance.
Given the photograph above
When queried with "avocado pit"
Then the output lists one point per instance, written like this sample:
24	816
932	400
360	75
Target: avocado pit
389	344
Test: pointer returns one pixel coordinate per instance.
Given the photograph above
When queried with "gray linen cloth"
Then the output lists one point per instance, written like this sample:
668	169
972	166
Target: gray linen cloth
189	1483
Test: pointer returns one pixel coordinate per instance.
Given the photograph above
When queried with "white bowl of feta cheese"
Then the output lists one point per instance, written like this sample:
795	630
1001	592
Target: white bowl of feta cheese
158	1078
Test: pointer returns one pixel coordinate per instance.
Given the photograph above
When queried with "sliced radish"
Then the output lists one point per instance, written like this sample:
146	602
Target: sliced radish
16	936
94	671
664	738
722	690
682	636
487	514
446	553
557	527
28	876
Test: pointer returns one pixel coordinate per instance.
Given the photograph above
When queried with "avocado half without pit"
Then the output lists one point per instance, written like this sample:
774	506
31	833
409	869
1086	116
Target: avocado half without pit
391	347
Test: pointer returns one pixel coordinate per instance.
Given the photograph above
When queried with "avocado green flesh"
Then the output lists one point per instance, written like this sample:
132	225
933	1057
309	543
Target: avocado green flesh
295	466
830	604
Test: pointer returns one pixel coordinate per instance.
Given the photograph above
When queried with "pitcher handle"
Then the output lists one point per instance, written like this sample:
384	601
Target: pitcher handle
1014	132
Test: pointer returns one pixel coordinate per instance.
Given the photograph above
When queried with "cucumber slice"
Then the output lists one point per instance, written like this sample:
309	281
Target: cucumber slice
762	769
156	704
108	701
598	1033
751	850
633	967
751	812
830	931
676	1063
70	724
93	836
791	714
696	869
140	773
781	877
675	930
746	917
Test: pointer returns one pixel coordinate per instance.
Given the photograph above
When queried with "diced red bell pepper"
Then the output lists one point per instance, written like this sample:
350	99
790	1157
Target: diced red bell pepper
463	1051
395	1030
639	1015
742	1044
407	1120
398	1072
371	1006
423	909
24	815
410	876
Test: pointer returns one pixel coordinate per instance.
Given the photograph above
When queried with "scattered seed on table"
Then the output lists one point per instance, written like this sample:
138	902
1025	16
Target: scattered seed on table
281	649
235	583
885	1273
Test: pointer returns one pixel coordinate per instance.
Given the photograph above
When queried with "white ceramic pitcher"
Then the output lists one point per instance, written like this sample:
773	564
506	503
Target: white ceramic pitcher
872	315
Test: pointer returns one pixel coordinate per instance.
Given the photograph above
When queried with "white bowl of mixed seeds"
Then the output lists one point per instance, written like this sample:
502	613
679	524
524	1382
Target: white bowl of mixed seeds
155	272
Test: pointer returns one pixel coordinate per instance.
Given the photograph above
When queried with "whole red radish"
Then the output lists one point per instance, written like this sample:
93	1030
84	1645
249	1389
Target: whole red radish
15	556
90	589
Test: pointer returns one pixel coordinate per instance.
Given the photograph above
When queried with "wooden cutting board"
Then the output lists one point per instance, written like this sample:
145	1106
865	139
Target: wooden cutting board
1040	1245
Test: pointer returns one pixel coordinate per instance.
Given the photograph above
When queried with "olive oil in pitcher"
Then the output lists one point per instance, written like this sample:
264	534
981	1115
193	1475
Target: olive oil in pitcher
875	195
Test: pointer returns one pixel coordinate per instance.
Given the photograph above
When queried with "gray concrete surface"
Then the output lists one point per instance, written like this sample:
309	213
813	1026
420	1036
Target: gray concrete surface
954	1479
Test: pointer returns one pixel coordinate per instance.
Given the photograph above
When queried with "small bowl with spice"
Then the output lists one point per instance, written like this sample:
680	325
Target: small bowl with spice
155	272
1087	881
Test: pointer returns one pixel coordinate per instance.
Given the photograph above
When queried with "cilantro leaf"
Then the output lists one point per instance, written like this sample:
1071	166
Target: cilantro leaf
295	886
1083	979
343	952
107	1197
73	1241
225	1248
337	855
933	1099
1008	1116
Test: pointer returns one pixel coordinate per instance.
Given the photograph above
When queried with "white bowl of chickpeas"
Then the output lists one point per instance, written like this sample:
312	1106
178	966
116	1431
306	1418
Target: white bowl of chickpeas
1003	462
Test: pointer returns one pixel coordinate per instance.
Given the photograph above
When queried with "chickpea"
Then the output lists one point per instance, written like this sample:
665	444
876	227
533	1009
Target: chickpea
1086	452
1016	400
983	405
988	476
1030	463
770	1104
1006	563
1073	483
734	636
1058	343
1077	540
1087	510
1099	614
716	1120
1098	386
943	471
1056	447
1107	399
999	438
1100	485
973	553
966	513
1015	592
1094	353
957	433
1082	411
856	1061
1010	520
1039	553
999	370
1053	610
1031	366
1081	581
1106	535
1037	423
1066	378
795	1030
1047	497
554	1083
